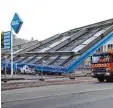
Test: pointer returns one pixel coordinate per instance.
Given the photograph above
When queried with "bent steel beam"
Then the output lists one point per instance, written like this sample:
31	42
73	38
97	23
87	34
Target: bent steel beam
86	54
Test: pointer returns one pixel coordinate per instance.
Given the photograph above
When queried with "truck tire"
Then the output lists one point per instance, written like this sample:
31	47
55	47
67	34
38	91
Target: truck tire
101	79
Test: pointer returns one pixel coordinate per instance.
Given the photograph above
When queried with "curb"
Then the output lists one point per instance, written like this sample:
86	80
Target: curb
9	79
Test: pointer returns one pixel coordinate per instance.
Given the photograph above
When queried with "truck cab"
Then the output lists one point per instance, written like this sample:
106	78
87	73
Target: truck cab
102	66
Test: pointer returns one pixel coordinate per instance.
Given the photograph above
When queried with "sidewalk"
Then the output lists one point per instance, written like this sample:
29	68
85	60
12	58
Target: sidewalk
36	77
36	83
23	81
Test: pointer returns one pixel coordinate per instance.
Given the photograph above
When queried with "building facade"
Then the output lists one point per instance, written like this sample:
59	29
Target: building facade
108	46
86	64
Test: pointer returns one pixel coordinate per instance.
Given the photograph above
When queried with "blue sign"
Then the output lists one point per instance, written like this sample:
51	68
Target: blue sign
16	23
7	40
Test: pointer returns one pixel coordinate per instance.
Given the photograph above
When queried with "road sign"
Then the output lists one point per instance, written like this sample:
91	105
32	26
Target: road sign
16	23
7	40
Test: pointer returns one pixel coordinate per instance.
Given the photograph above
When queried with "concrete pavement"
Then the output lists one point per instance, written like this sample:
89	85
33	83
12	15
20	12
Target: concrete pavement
95	99
53	90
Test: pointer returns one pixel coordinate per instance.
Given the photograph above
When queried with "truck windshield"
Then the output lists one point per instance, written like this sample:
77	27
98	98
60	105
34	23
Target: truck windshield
100	59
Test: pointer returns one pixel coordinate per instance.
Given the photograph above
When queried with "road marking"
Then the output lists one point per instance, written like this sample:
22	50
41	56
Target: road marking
59	94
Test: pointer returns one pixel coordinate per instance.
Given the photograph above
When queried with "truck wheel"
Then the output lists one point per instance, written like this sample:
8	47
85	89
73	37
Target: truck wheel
101	79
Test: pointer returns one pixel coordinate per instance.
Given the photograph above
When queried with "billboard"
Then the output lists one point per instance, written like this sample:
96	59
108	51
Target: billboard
7	40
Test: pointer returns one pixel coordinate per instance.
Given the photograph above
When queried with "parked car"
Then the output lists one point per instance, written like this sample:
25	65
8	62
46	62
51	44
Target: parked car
26	70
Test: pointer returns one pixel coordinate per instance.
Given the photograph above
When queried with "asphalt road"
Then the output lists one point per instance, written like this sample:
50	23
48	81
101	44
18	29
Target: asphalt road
81	95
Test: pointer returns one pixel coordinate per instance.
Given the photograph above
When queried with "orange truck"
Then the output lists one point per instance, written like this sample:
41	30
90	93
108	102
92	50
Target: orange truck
102	66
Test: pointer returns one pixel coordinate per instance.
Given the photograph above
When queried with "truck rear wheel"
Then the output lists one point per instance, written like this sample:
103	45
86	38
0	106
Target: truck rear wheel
101	79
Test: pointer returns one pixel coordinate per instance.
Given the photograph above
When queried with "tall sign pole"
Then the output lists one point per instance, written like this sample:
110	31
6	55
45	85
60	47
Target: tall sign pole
11	52
16	24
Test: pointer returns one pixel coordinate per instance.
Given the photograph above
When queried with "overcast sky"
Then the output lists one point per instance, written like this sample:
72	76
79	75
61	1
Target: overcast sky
45	18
